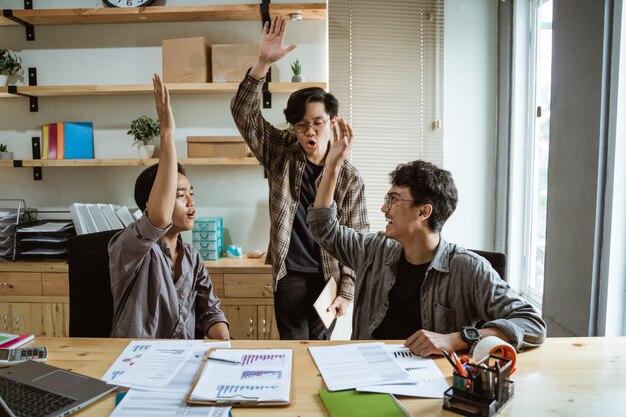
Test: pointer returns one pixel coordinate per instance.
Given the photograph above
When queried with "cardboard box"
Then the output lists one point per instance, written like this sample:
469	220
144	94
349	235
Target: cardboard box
216	147
186	60
230	62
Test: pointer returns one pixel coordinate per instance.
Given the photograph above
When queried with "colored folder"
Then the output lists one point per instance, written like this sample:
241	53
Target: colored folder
350	403
78	140
44	141
60	141
52	141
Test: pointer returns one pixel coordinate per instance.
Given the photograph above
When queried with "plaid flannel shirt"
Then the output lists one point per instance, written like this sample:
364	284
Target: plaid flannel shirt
284	161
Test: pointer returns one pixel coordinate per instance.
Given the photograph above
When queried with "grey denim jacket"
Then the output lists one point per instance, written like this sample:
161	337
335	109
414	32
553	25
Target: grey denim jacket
460	287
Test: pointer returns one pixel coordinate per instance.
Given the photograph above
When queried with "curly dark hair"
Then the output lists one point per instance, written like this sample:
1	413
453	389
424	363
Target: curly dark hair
429	185
144	183
296	105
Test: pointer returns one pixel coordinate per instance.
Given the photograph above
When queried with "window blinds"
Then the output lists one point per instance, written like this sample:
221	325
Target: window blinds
386	70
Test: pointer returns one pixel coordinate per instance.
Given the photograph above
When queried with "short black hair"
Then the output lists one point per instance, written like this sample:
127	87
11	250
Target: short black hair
296	105
144	184
429	184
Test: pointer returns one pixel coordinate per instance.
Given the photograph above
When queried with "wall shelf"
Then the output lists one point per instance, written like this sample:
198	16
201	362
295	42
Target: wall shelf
158	14
125	162
138	89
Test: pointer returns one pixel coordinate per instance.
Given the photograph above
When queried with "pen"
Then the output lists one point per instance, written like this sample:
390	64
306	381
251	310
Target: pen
211	358
459	366
447	356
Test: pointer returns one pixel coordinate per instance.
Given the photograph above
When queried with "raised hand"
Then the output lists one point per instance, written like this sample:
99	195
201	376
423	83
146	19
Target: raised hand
342	143
271	43
271	47
162	102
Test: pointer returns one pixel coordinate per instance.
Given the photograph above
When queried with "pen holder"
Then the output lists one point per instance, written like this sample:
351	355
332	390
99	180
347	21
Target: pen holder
483	392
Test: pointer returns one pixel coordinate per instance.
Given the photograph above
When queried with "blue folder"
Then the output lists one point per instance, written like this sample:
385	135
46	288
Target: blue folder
78	140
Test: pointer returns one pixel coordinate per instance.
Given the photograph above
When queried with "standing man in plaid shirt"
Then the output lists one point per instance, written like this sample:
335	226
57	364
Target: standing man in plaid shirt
294	162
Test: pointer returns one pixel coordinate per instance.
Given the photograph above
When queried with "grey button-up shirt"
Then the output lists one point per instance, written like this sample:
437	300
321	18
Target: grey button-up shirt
148	300
459	289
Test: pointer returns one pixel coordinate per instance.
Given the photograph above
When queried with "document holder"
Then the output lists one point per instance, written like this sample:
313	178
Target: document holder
239	400
483	393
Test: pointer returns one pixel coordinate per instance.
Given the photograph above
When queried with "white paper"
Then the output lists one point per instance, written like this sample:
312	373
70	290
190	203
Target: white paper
109	214
325	299
263	375
163	404
45	251
430	381
180	382
357	365
47	227
45	238
98	217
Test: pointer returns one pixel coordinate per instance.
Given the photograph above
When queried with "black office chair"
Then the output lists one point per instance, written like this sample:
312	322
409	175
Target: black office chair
91	302
496	259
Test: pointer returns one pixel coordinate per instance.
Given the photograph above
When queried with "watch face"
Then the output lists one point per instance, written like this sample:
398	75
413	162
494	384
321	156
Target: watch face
128	3
470	334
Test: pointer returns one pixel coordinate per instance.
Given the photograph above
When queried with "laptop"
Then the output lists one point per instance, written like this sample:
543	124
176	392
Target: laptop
34	389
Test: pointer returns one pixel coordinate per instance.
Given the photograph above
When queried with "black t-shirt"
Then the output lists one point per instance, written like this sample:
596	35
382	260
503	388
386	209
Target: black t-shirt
304	253
404	314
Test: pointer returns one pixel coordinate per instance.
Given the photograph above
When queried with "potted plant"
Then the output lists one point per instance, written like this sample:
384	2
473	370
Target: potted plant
9	64
4	153
144	129
296	68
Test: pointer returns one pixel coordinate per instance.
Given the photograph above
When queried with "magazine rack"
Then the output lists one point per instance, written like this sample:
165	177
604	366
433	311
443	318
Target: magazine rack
13	212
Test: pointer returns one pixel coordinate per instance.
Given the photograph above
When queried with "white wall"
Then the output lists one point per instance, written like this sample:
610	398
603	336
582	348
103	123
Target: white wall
101	54
470	77
129	54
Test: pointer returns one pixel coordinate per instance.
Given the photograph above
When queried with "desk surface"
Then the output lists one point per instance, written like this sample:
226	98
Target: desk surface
566	376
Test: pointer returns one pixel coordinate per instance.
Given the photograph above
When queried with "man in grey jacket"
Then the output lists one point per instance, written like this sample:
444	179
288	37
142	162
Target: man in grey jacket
410	283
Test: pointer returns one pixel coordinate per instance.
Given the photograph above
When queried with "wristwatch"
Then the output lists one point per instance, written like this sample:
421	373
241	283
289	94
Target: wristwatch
471	336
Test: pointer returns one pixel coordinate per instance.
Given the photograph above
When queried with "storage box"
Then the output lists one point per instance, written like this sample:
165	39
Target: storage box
230	62
186	60
216	147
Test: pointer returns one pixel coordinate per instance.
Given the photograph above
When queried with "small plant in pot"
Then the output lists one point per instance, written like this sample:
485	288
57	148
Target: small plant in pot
144	129
4	152
296	68
10	64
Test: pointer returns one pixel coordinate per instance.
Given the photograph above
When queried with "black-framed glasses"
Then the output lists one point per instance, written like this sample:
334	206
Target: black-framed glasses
318	125
391	200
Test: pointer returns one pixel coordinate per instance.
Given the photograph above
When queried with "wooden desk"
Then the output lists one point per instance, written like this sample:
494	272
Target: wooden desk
565	377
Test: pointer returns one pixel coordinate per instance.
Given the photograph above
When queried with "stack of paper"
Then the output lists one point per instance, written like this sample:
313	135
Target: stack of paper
376	367
160	374
93	218
45	238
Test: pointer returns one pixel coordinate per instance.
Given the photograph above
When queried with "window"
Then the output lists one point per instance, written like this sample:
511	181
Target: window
536	163
386	70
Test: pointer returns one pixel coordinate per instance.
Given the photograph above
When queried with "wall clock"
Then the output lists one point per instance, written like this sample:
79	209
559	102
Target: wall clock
128	3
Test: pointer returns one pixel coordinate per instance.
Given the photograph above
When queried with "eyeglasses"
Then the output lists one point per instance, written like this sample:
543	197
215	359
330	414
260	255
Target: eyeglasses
318	125
393	200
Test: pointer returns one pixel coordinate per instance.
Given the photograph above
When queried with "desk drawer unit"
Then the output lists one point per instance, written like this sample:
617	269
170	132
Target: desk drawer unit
248	303
34	302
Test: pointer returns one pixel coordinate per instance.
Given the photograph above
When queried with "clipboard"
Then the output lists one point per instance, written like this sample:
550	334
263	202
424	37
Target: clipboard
324	300
244	402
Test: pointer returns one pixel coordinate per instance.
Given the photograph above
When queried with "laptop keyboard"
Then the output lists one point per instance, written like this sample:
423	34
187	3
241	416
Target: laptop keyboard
27	401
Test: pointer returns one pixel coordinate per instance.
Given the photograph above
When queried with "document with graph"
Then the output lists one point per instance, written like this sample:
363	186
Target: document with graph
244	377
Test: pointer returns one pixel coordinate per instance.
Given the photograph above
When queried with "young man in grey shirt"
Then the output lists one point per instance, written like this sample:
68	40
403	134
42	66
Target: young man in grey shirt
410	283
161	288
